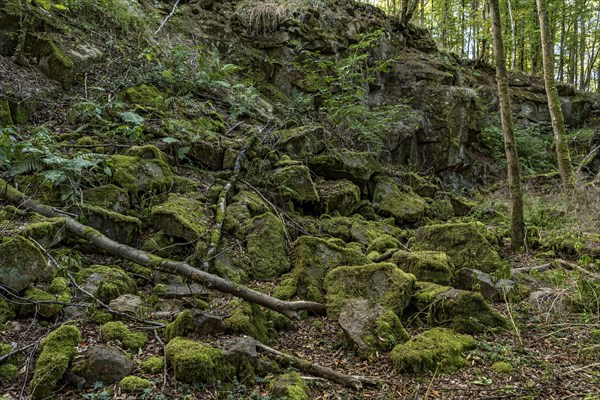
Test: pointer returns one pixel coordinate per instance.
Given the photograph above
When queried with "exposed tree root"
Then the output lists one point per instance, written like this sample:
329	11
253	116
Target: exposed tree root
288	308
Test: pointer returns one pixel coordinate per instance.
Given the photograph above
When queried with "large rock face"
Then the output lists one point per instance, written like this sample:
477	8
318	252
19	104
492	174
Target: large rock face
21	264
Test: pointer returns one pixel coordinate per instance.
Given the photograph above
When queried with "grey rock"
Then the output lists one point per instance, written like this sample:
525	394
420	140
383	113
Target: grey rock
102	363
127	303
470	279
356	316
21	264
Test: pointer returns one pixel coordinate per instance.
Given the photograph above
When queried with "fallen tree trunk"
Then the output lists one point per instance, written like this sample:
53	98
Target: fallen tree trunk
288	308
352	381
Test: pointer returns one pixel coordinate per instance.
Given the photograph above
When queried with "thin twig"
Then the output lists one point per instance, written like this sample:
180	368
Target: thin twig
164	383
167	18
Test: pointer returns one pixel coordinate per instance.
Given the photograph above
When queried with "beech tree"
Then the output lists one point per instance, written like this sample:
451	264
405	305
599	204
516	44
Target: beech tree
510	146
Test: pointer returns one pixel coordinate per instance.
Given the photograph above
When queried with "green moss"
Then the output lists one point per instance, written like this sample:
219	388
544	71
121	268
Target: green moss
54	62
59	285
430	266
295	182
22	263
9	369
111	281
249	319
388	332
466	244
355	166
119	227
289	386
6	311
153	365
383	243
403	205
44	310
267	248
286	289
355	229
383	284
58	350
100	317
143	95
183	325
114	330
438	350
197	363
147	152
181	217
312	259
502	367
341	196
5	117
134	384
108	196
140	175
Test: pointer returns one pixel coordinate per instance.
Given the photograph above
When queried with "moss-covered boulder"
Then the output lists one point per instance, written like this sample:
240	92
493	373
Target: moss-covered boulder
194	324
54	62
312	259
58	350
301	141
106	282
21	264
338	197
118	331
135	384
356	229
153	365
48	232
5	117
383	283
9	368
466	244
101	363
109	196
437	349
402	204
242	207
383	243
249	319
430	266
207	150
119	227
197	363
144	96
45	309
294	182
461	310
267	248
138	175
181	217
289	386
7	311
358	167
370	328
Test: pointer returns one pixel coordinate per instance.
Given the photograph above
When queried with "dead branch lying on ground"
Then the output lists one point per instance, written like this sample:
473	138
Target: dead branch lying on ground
288	308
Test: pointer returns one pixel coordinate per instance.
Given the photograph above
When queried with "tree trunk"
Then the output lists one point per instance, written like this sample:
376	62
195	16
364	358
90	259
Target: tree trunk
510	146
288	308
558	124
513	37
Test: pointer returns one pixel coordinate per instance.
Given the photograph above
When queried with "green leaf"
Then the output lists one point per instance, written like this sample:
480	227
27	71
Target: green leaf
131	117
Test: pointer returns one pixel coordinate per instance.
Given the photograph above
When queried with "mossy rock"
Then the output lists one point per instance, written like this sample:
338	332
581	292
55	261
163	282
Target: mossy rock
181	217
383	283
195	362
160	244
109	196
147	152
466	244
438	350
430	266
9	368
5	117
312	259
301	141
462	310
139	175
135	384
358	167
356	229
153	365
144	96
21	264
208	150
289	386
502	367
403	205
193	324
118	331
44	310
294	182
338	197
7	312
48	232
58	350
267	247
249	319
106	282
383	243
54	61
118	227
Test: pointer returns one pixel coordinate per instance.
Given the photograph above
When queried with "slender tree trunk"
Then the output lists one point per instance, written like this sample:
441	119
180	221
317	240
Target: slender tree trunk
510	145
558	124
582	51
561	57
513	37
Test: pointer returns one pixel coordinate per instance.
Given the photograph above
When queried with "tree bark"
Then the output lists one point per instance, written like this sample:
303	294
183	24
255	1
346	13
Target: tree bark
288	308
510	146
558	123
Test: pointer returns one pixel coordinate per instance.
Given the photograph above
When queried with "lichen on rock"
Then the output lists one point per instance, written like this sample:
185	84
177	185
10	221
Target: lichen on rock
340	197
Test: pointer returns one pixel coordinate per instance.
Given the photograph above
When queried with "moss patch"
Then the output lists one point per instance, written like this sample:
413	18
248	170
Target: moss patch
466	244
42	309
249	319
134	384
6	311
21	263
181	217
267	248
9	368
290	386
196	362
383	284
139	175
58	350
143	95
118	331
153	365
355	166
339	197
438	349
108	196
403	205
430	266
295	182
107	282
